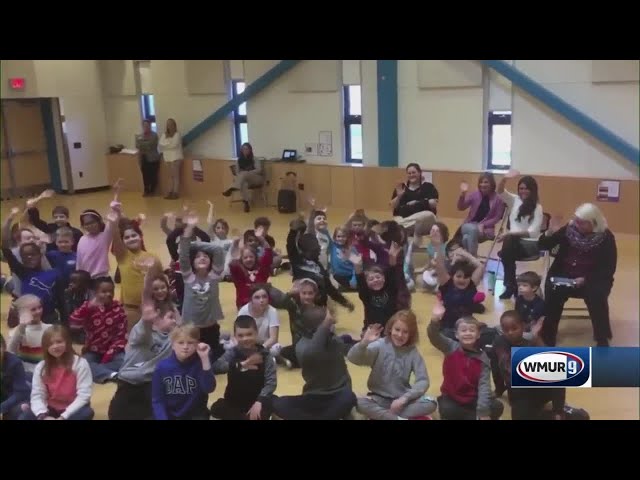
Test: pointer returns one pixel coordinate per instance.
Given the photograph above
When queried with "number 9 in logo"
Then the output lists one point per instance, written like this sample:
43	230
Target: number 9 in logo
572	367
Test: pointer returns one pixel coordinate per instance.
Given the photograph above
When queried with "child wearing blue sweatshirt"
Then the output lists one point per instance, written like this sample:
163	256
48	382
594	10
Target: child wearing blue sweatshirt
182	383
14	390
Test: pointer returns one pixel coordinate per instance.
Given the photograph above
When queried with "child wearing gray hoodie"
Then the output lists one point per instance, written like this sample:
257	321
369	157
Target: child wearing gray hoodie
392	360
149	343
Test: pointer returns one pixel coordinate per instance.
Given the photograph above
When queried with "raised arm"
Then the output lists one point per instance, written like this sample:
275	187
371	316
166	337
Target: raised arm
321	335
365	352
32	213
464	200
437	339
118	248
164	223
153	270
441	270
296	228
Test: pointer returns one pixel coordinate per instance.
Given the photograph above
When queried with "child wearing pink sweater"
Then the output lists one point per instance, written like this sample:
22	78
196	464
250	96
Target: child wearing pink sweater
93	247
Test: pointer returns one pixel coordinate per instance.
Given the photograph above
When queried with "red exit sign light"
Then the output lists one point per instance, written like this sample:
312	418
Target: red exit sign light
17	83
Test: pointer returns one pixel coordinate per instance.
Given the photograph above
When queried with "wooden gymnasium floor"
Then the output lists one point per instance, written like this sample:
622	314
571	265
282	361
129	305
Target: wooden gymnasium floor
601	403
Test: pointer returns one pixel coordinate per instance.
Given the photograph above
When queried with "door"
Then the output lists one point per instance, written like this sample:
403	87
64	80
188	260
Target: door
25	152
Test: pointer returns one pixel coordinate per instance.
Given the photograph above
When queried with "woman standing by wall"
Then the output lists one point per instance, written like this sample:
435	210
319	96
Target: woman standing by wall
171	148
149	157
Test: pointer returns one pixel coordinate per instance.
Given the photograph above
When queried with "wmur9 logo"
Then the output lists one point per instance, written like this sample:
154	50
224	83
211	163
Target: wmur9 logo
535	367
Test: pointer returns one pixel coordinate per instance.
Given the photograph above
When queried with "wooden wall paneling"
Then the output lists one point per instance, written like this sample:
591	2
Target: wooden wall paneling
318	185
5	176
343	187
374	187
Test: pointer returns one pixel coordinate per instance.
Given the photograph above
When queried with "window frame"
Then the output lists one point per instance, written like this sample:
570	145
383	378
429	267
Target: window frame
148	104
238	119
498	117
349	120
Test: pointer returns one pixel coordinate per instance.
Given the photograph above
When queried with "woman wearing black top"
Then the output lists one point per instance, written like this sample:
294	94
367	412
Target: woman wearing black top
247	175
414	203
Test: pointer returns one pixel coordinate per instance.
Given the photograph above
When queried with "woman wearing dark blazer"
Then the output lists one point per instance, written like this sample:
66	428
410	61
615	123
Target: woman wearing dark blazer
486	209
587	254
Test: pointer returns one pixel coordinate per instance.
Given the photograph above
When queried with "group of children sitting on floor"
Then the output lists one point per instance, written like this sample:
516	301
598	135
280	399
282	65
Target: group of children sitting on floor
161	341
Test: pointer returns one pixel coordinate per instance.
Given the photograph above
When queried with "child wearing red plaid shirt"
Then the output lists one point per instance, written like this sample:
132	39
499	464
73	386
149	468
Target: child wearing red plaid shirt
105	323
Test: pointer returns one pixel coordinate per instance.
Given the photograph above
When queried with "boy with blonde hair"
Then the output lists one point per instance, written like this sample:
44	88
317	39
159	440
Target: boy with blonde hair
466	370
181	384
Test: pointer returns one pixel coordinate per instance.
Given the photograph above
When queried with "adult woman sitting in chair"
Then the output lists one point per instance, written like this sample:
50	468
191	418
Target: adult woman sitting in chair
486	209
415	202
525	223
247	175
584	267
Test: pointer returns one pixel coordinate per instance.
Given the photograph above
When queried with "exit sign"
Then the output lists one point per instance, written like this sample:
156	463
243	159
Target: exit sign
17	83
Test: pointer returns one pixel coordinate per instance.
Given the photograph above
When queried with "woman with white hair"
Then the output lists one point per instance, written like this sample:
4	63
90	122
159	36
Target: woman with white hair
587	255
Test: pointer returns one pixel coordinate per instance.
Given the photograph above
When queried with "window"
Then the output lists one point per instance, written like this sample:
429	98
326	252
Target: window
353	123
499	140
149	111
241	127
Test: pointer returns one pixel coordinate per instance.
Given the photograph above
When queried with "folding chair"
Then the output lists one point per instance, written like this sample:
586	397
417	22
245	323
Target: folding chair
580	312
544	254
505	217
260	189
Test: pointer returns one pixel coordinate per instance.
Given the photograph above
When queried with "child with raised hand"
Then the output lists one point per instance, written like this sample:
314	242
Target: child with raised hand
14	388
93	247
60	216
303	250
26	340
458	293
105	324
181	384
157	288
129	253
526	403
378	288
148	344
62	382
174	236
393	359
201	272
466	386
438	237
248	269
251	376
304	294
327	393
27	266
